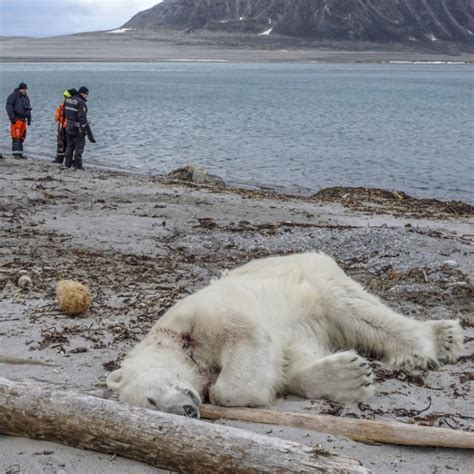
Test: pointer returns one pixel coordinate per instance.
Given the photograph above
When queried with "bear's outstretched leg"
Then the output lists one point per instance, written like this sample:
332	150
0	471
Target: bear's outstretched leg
361	321
251	370
342	377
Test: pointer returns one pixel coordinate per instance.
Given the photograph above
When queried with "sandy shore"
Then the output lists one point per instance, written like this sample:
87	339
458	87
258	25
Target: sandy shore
169	46
141	243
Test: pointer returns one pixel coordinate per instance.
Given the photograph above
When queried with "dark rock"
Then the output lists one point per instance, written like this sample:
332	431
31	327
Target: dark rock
196	175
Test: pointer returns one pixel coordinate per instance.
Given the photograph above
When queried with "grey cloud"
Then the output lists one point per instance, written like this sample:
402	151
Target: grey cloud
56	17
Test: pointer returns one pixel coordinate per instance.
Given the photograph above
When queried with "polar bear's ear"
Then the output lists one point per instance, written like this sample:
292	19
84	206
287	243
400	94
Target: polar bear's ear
114	380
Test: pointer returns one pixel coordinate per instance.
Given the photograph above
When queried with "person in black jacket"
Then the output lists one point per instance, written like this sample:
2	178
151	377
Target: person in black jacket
77	128
19	112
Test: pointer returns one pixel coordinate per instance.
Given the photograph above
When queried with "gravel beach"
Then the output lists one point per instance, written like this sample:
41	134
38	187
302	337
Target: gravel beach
141	243
174	46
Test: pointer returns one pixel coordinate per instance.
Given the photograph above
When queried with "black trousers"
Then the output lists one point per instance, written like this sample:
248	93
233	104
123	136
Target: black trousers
75	146
17	147
62	144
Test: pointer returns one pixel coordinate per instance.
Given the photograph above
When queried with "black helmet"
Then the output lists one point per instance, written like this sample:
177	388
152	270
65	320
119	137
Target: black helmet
83	90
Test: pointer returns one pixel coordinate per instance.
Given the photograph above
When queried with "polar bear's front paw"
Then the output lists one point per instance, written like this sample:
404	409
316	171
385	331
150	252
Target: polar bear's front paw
449	339
342	377
352	377
218	395
244	396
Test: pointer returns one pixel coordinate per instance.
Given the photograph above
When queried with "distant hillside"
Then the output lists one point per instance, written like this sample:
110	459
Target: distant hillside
379	21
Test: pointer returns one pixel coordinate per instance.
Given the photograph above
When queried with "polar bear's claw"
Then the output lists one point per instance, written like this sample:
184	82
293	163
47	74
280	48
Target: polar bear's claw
413	361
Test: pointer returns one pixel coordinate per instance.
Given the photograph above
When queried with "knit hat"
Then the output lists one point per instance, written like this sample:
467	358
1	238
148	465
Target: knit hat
22	85
83	90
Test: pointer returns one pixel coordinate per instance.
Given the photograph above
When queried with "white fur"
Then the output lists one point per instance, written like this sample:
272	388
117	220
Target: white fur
282	324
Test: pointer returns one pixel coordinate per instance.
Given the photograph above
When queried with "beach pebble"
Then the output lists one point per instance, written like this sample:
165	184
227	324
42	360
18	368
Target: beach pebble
451	263
25	282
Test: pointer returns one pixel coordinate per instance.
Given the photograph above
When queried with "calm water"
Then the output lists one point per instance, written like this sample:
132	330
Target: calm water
295	127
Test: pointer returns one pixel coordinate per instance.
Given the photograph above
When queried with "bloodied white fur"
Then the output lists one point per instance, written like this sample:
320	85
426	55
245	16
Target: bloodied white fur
294	324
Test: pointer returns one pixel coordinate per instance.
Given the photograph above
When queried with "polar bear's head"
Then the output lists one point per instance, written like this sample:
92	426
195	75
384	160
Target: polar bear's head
163	380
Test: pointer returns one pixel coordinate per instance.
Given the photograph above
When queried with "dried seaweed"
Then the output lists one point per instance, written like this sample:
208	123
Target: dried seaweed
395	202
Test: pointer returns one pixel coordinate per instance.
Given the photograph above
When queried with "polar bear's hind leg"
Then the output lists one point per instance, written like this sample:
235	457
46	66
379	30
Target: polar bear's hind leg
354	319
361	321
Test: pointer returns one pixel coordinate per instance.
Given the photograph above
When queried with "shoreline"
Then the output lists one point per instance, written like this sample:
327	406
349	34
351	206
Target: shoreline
141	243
426	62
173	46
236	185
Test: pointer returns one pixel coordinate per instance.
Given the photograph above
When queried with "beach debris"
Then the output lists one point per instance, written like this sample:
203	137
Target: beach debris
73	297
18	361
383	201
24	280
196	174
207	223
362	430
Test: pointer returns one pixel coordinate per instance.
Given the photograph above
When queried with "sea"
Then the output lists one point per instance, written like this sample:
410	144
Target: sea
292	127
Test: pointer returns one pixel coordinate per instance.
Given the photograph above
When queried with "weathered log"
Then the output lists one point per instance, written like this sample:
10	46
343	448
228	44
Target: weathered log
41	411
368	431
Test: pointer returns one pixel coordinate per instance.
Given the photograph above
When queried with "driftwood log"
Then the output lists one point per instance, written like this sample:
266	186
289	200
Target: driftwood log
367	431
41	411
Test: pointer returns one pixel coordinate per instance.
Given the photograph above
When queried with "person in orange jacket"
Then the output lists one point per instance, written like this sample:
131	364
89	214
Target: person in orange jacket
19	112
60	119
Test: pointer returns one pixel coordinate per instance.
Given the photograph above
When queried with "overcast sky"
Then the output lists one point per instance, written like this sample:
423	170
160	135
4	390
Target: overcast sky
57	17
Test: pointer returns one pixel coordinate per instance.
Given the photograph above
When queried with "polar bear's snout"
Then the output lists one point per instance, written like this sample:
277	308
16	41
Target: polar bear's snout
190	411
186	406
156	388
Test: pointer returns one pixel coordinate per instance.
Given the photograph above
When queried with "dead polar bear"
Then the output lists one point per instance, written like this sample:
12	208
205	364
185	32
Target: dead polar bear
277	325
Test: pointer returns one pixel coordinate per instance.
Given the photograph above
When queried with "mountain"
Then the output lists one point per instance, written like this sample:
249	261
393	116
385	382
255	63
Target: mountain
379	21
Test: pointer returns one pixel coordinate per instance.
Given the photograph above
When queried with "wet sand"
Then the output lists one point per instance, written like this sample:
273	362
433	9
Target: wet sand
142	243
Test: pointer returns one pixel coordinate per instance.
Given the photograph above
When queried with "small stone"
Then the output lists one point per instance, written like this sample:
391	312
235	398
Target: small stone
25	282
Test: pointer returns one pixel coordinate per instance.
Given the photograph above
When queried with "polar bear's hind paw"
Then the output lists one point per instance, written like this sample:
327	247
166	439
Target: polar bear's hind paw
416	360
449	340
